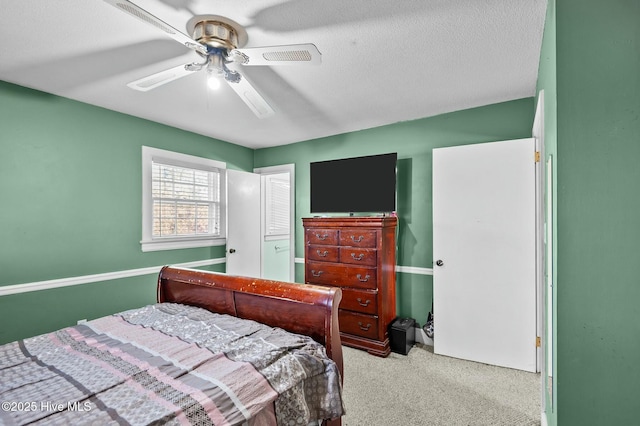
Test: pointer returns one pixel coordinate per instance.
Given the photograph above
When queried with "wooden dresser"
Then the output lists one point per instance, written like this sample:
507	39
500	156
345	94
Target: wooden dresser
357	254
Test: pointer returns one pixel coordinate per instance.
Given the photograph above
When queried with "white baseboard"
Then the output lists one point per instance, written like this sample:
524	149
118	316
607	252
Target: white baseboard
421	337
543	419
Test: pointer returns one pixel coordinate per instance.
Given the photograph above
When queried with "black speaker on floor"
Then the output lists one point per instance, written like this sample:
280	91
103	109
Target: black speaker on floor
402	335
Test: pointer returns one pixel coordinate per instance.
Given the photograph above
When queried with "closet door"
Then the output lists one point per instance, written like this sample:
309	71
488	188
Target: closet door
243	223
484	253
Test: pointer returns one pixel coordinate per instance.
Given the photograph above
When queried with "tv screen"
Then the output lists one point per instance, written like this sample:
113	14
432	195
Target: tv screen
354	185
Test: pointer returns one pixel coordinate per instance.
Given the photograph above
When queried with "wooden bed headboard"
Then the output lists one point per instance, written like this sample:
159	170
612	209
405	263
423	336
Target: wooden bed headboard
299	308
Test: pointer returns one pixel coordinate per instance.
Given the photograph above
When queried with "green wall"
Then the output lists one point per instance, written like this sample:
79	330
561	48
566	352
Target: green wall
70	184
590	72
598	206
413	141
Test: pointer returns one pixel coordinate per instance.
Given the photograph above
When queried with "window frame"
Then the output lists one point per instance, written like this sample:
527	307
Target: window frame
151	243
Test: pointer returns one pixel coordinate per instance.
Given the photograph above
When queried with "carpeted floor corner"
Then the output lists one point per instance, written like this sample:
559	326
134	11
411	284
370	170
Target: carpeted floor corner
427	389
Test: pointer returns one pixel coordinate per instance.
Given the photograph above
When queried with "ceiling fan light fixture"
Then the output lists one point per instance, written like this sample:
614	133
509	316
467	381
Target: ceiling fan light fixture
213	81
217	32
215	70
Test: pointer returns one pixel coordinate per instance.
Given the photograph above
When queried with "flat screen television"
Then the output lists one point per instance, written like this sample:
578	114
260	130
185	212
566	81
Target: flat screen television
354	185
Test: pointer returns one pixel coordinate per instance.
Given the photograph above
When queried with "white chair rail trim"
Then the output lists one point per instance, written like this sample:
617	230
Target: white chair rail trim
403	269
107	276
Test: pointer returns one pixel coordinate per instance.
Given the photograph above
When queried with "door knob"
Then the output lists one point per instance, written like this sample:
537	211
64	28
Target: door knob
232	250
439	262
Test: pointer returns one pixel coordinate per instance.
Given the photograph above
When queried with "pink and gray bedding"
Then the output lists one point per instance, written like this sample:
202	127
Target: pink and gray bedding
168	364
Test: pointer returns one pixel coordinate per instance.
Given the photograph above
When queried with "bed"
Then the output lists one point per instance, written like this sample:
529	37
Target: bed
215	349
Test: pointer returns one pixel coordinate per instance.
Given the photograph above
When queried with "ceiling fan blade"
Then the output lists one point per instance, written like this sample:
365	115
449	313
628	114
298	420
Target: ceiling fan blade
141	14
292	54
251	97
163	77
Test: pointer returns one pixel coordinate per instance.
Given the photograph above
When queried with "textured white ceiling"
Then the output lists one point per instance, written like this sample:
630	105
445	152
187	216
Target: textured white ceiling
382	61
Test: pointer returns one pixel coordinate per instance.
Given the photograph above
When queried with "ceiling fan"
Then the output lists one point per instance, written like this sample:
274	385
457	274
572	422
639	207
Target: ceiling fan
219	41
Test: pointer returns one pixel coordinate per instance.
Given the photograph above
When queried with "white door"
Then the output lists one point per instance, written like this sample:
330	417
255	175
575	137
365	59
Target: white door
278	261
484	279
243	223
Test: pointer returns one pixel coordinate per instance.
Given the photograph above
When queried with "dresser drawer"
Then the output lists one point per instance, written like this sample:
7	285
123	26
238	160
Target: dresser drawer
359	256
362	301
321	236
355	237
358	324
341	275
323	253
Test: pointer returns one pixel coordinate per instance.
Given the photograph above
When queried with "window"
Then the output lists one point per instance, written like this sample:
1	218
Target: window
277	188
183	200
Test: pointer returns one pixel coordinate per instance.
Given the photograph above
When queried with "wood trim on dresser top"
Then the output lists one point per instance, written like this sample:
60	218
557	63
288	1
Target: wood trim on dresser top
356	254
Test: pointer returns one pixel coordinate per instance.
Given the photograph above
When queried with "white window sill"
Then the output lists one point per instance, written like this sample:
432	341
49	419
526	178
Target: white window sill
173	244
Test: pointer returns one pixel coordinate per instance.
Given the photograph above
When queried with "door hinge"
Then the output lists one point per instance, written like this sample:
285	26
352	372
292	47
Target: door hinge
537	341
537	156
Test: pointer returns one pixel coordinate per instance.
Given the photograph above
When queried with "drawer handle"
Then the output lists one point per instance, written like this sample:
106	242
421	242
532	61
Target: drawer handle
362	280
363	328
353	255
322	253
358	240
322	237
365	304
316	274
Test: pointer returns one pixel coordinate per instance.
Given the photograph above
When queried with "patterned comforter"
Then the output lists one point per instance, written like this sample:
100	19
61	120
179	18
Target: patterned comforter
168	364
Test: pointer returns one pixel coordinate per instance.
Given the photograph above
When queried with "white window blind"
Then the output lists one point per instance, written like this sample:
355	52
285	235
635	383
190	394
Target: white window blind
277	205
186	201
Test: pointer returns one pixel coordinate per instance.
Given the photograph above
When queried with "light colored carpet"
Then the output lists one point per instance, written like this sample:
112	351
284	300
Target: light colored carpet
427	389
